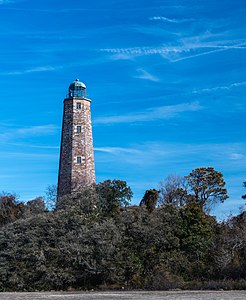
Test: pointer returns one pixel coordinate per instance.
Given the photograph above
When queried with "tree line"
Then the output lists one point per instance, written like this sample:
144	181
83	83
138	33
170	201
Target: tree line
94	238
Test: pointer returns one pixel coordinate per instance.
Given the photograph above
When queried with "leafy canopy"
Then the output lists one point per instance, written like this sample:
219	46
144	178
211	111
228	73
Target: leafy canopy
207	185
113	194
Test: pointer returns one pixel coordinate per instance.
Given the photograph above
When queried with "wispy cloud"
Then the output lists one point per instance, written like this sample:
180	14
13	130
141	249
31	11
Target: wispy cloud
7	176
143	50
218	88
27	155
185	45
76	63
117	150
69	10
25	145
28	131
36	130
122	56
32	70
151	114
165	19
143	74
6	2
177	52
141	154
236	156
186	154
173	60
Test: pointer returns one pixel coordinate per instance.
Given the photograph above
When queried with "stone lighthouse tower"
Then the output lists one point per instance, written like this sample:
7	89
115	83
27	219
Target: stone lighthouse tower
76	168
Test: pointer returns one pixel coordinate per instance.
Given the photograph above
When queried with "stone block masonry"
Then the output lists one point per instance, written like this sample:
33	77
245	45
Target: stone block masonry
76	168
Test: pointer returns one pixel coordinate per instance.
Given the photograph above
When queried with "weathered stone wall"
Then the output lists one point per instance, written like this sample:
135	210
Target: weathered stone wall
65	166
76	168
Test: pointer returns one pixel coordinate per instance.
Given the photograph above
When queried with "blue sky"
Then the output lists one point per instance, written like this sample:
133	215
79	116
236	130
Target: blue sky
167	83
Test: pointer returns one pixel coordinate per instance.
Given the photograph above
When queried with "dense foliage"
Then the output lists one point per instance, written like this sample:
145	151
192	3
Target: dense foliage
112	245
205	186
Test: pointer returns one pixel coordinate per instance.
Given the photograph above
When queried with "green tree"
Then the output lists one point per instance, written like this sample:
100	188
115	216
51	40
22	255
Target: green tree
113	194
36	206
196	240
207	185
150	199
10	209
84	199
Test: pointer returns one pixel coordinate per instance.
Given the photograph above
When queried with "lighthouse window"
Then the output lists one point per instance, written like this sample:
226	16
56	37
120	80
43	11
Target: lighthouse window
78	105
79	159
78	129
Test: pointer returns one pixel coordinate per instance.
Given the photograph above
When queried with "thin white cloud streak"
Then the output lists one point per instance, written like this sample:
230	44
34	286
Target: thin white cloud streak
56	11
117	150
43	147
49	129
95	61
143	74
236	156
138	51
184	48
179	153
168	20
36	130
43	10
145	50
122	56
25	145
217	49
151	114
218	88
27	155
6	2
195	55
32	161
32	70
7	176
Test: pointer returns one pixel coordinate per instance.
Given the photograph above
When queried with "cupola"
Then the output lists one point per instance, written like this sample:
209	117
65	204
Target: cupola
77	89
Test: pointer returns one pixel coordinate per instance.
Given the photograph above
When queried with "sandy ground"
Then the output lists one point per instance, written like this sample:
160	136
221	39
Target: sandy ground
172	295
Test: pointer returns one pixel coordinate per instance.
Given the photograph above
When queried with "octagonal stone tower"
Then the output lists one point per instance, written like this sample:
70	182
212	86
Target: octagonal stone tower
76	168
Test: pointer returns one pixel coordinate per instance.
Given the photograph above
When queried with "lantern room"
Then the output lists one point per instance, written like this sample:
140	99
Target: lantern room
77	89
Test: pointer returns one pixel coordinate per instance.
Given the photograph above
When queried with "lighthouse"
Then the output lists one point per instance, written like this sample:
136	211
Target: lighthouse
76	167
